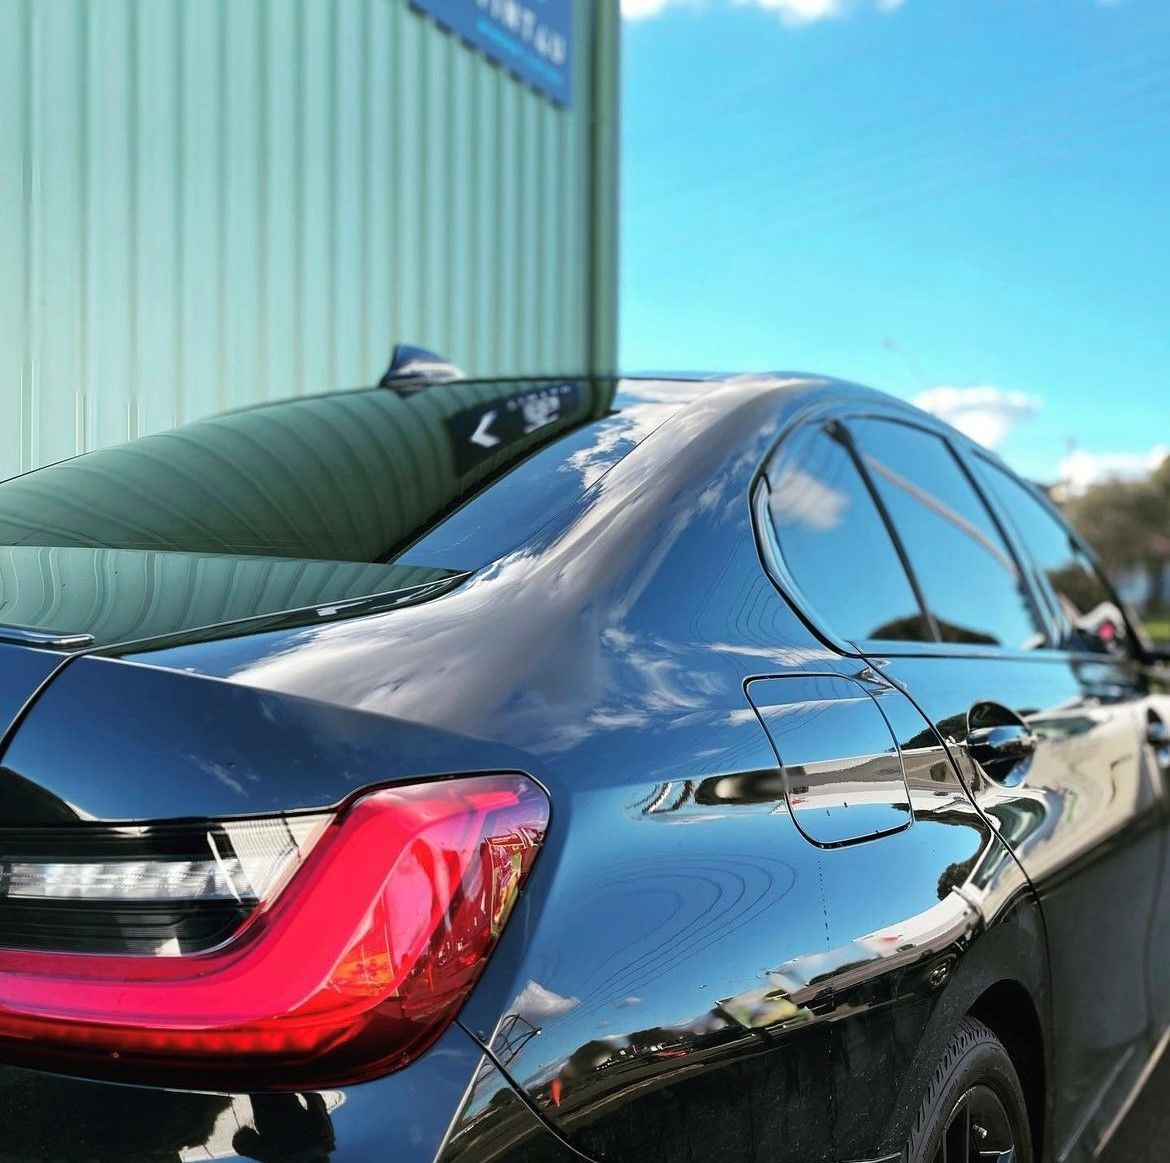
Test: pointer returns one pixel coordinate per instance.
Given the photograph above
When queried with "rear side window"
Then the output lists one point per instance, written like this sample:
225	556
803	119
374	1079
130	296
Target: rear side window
835	544
967	575
1080	591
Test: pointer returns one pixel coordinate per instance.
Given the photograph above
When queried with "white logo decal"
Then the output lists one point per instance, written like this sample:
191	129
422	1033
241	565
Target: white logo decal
481	435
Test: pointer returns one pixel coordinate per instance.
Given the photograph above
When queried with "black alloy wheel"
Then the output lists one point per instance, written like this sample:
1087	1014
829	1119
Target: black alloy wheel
974	1109
978	1131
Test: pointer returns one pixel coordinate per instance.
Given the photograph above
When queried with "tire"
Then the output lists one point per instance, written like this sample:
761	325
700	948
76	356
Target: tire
974	1109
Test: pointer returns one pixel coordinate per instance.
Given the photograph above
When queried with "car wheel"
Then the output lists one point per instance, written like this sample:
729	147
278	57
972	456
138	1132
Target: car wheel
973	1110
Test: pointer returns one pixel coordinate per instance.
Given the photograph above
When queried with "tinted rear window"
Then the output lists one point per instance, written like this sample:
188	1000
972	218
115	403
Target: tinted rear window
303	503
353	476
835	544
968	577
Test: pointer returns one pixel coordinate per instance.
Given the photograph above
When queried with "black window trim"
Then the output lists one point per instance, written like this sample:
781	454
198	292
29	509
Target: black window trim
772	558
1136	635
1035	606
826	415
838	430
772	555
1056	635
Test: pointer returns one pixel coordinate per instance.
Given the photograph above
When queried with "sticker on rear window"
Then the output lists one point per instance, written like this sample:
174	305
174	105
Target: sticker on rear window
479	432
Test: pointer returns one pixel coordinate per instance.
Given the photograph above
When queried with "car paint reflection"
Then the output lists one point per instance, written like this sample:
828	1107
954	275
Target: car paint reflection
67	1120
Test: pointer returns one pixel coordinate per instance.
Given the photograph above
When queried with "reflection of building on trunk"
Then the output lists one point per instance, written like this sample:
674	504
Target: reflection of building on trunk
797	991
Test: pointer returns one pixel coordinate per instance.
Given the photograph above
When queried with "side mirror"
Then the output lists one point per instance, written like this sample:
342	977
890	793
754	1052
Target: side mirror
1104	628
1111	635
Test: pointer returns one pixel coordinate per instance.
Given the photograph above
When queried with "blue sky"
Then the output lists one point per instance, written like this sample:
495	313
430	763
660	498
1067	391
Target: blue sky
916	194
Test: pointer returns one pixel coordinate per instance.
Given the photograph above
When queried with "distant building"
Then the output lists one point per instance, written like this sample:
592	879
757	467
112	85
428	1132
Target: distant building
208	205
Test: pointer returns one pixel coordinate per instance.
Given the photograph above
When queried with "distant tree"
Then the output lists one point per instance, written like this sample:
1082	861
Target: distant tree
1160	477
1160	535
1128	524
1109	516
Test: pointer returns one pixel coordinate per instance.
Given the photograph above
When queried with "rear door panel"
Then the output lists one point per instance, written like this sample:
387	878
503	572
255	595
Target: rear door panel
921	922
1156	761
1085	824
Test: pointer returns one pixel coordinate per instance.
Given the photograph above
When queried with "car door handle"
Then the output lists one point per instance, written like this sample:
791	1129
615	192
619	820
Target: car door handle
1000	742
1006	742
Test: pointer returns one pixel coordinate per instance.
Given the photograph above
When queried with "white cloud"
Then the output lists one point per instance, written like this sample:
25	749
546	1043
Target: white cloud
538	1004
643	9
797	11
1081	469
986	414
789	11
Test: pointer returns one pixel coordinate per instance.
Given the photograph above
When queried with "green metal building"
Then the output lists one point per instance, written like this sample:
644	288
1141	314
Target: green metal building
210	203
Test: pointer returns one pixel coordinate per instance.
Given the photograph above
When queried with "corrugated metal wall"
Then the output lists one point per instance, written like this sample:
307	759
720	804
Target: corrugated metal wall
205	203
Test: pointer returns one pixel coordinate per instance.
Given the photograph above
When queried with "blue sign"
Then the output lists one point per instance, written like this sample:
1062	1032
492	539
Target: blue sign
531	38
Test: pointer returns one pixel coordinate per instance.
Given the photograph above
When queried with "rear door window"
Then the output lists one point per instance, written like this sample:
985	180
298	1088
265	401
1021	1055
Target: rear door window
1082	596
835	544
968	577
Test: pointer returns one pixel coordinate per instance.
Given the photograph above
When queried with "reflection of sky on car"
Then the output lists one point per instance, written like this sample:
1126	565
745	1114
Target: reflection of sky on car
613	553
804	498
540	486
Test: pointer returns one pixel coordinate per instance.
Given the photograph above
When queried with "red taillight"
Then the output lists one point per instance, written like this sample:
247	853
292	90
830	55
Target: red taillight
353	969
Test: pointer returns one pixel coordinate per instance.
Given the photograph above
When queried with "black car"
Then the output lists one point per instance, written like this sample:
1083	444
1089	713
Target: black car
747	770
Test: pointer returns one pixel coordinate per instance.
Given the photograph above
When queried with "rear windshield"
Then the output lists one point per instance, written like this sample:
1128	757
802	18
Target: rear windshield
289	506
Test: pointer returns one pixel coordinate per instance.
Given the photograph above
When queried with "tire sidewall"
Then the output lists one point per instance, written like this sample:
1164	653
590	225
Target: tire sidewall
974	1057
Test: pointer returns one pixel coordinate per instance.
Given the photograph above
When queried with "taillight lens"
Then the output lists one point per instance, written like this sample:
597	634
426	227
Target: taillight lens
356	939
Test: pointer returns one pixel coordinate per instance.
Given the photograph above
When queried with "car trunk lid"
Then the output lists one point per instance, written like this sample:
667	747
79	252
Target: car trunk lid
75	598
24	670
